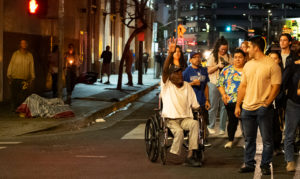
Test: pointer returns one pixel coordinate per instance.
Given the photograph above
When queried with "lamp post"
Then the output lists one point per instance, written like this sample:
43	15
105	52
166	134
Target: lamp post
268	30
176	16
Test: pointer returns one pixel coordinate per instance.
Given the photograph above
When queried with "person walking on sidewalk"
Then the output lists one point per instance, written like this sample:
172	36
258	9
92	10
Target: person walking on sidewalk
228	83
53	68
128	65
260	83
145	61
158	61
107	56
215	63
20	74
72	71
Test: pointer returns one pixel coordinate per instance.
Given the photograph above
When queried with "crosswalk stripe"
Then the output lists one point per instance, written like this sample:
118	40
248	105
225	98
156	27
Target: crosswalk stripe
9	143
136	133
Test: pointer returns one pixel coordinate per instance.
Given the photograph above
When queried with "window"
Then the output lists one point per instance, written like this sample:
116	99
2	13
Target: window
192	6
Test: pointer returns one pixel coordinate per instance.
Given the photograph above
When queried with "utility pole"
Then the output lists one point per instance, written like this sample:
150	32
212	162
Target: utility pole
268	35
1	50
61	12
176	17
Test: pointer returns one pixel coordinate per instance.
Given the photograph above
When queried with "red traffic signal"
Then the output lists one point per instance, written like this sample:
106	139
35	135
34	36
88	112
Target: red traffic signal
33	6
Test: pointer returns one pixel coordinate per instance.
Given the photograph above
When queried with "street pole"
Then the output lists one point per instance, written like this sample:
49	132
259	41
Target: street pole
176	17
1	50
268	35
61	46
140	64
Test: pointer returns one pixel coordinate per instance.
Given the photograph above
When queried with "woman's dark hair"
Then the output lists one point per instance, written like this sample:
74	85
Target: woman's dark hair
280	58
215	52
239	51
182	61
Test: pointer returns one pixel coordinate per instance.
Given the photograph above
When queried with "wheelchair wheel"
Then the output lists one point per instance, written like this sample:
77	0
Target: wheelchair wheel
152	140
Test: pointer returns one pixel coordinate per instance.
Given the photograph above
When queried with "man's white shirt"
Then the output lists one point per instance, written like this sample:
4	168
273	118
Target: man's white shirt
178	102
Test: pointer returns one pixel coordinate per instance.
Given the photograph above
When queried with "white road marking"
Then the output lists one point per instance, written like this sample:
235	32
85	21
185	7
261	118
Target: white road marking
91	156
297	173
9	143
136	133
2	148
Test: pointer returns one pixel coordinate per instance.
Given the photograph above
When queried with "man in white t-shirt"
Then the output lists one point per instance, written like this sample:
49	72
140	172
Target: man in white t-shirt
179	98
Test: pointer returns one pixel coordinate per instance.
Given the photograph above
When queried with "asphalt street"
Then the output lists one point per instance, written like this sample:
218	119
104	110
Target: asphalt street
117	150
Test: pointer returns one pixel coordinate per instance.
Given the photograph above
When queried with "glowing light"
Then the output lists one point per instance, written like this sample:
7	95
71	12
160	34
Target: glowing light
33	6
206	54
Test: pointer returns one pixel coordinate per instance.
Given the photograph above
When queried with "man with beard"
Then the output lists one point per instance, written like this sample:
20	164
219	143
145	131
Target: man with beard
178	100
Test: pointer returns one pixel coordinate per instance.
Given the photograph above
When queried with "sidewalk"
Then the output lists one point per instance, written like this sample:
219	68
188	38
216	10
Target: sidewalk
89	102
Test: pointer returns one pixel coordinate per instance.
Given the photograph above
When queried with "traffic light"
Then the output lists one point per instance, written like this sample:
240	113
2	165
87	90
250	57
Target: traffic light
228	28
37	7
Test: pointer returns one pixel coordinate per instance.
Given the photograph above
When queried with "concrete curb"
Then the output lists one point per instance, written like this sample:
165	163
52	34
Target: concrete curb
89	118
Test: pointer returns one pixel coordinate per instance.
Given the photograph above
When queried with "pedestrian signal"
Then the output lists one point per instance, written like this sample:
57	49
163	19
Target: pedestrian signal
37	7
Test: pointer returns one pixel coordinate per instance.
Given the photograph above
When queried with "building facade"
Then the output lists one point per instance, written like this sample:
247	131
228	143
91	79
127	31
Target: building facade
206	20
90	25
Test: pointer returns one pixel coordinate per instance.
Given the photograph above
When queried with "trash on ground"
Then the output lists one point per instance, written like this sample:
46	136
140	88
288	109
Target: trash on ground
100	120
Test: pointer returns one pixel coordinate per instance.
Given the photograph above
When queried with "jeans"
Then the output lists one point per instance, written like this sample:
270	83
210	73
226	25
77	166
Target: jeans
216	101
70	80
292	121
232	121
262	118
54	84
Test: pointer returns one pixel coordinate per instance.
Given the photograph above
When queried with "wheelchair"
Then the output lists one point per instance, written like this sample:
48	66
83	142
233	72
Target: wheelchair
158	137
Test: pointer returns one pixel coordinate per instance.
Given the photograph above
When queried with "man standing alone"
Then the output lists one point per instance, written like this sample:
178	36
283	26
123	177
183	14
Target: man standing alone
20	74
260	83
107	56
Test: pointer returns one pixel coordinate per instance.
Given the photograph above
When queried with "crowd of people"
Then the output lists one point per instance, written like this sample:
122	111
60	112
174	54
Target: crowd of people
260	90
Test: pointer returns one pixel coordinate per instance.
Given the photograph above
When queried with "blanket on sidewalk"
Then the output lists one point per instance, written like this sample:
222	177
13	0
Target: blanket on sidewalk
37	106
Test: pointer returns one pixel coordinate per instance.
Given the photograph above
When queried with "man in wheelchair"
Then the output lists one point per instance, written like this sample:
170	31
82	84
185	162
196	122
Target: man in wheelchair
179	99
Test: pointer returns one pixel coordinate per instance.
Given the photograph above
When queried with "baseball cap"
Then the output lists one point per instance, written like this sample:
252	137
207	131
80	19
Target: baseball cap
192	54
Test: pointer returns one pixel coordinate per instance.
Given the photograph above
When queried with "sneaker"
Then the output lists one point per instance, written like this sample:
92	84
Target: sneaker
100	81
191	162
107	82
266	171
228	145
246	169
221	132
211	131
290	167
206	144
